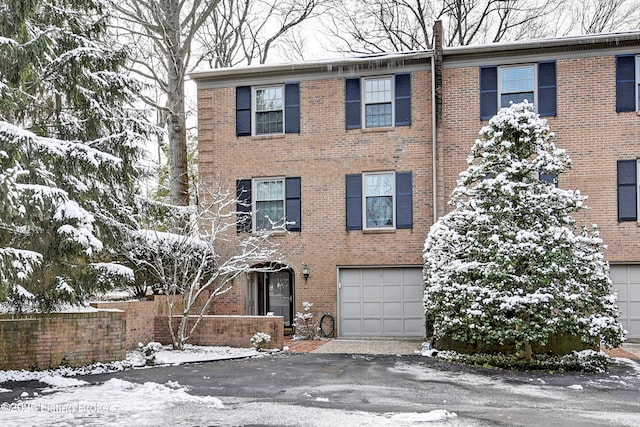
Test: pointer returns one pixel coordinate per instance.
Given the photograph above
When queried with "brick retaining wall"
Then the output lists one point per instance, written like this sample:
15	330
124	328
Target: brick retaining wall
232	331
42	341
139	315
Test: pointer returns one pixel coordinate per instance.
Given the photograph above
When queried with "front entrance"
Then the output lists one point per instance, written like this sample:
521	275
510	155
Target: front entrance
271	292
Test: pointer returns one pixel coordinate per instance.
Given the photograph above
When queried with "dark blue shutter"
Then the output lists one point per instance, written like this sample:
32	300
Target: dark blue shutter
243	205
404	200
292	108
625	83
551	178
293	207
243	110
547	88
354	201
488	92
627	194
352	109
403	99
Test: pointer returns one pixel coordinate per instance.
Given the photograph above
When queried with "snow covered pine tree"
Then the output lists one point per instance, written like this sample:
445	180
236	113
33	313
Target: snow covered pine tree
68	149
508	265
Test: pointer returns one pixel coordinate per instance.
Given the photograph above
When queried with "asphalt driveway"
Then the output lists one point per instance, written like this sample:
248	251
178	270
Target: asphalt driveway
292	387
329	389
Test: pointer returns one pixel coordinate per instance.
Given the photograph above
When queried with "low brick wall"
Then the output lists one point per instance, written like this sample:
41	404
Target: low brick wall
42	341
139	315
232	331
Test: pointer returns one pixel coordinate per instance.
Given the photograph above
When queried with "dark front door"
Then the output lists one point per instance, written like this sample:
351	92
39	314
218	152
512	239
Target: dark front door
275	294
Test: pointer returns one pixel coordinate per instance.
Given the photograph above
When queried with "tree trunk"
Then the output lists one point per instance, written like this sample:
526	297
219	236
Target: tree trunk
176	124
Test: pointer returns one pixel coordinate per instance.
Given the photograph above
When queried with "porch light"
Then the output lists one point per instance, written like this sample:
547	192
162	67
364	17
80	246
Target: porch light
305	271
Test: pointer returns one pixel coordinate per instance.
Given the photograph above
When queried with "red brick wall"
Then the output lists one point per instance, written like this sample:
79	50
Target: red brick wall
43	341
232	331
139	315
322	154
586	126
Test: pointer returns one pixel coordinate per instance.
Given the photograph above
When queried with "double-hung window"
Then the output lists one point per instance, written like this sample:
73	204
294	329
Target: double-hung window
627	83
499	86
269	110
379	200
267	203
379	204
378	102
516	84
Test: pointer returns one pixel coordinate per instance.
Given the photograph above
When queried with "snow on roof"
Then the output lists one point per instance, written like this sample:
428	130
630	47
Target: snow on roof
420	56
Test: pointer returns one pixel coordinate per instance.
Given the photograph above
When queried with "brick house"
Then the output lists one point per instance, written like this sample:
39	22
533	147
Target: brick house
344	151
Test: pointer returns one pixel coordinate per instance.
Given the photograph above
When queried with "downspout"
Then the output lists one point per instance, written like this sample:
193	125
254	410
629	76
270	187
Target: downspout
434	134
436	107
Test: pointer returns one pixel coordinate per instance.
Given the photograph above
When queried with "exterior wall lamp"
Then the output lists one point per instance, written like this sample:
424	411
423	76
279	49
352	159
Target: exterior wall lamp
305	271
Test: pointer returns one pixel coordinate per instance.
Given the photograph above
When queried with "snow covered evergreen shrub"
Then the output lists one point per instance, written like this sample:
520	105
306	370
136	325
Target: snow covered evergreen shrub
259	340
508	265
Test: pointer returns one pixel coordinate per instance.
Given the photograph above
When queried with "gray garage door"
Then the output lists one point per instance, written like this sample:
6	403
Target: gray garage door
626	282
380	302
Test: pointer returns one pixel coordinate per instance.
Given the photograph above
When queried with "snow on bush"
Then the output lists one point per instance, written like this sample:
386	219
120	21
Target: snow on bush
259	340
306	328
69	151
508	264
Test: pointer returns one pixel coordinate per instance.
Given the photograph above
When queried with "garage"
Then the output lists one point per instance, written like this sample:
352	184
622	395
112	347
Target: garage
380	302
626	282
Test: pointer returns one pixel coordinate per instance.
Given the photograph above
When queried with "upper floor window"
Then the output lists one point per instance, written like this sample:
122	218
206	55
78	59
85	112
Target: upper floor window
514	83
273	202
379	200
627	83
268	110
378	100
375	102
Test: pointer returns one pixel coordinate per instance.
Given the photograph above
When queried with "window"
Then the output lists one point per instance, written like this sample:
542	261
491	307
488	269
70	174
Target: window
378	97
375	102
378	195
379	200
268	110
514	83
269	203
627	190
264	203
627	83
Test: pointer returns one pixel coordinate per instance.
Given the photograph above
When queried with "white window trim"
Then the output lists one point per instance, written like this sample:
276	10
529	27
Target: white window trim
363	96
364	200
535	83
254	199
254	110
